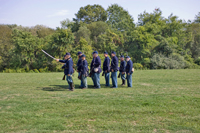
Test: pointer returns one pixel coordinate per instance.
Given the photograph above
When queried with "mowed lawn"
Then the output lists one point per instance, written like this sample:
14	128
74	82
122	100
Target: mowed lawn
160	101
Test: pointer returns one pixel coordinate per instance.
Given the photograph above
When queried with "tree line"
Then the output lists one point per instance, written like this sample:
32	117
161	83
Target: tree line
154	42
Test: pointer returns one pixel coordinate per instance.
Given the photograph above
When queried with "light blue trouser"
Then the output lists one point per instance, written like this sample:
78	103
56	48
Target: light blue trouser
129	80
81	80
97	80
122	76
107	78
84	80
69	79
114	79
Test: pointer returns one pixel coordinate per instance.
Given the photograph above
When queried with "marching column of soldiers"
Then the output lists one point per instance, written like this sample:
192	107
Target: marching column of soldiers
125	70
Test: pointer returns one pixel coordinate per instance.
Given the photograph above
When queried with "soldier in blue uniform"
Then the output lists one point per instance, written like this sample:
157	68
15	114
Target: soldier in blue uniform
79	66
68	69
106	68
114	69
122	69
96	70
129	72
84	71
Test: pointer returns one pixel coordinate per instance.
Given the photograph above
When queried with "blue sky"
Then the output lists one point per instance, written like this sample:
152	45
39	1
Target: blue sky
51	12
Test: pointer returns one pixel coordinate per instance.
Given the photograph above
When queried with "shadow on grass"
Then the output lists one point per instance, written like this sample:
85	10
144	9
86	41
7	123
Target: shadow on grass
65	87
55	88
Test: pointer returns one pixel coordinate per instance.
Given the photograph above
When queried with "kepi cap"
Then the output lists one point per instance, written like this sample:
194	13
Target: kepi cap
79	52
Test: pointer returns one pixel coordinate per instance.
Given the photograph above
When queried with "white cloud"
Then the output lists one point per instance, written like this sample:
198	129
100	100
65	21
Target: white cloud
59	13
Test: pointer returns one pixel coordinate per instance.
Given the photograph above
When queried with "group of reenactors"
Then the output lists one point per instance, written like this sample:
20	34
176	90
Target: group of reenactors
125	70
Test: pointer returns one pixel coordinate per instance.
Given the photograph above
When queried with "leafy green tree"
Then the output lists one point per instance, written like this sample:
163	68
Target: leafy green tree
119	19
96	29
26	48
194	44
91	13
154	17
83	32
5	46
62	41
43	31
109	41
72	25
66	24
197	18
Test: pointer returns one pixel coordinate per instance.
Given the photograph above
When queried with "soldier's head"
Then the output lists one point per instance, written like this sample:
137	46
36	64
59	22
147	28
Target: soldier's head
67	55
105	54
127	58
95	54
113	54
64	57
83	57
122	58
79	54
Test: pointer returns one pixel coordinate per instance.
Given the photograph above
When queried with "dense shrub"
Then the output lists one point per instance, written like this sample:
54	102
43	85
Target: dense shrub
31	71
43	69
160	61
20	70
9	71
174	61
137	66
36	71
197	61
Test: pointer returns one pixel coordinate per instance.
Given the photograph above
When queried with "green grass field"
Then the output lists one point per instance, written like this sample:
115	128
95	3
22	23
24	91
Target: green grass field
160	101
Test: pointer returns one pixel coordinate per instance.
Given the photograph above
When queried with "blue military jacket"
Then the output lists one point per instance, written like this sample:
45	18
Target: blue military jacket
122	66
96	63
84	67
114	63
68	66
129	67
106	64
79	64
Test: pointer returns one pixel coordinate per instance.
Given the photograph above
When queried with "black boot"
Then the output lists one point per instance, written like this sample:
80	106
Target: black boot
124	82
71	87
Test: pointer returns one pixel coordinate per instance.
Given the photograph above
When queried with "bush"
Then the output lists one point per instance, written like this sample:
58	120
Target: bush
27	68
43	69
36	71
9	70
146	63
137	66
31	71
20	70
174	61
197	61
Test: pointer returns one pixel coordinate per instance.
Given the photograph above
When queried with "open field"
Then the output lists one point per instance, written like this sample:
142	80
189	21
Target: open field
160	101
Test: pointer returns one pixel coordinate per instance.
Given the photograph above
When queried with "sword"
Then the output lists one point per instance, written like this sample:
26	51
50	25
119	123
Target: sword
48	54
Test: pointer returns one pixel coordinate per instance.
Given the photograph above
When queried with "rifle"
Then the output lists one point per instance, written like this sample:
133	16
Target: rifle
103	74
79	77
63	77
90	74
119	75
